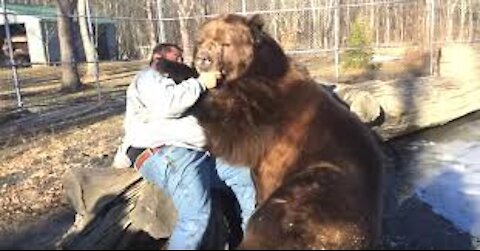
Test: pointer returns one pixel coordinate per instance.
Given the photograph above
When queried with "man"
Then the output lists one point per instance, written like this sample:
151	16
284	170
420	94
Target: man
174	159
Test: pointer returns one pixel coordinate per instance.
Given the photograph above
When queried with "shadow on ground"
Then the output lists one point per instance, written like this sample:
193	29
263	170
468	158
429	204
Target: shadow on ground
40	235
18	125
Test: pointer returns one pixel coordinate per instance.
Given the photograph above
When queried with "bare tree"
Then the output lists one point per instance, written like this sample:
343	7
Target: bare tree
373	21
387	23
463	17
185	8
328	22
70	77
88	46
377	25
274	21
402	22
451	7
152	33
470	20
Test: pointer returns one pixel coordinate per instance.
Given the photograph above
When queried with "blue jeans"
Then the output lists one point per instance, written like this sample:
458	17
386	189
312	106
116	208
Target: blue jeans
188	177
239	180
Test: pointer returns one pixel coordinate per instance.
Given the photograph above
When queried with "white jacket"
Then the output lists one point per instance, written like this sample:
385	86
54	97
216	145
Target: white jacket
155	114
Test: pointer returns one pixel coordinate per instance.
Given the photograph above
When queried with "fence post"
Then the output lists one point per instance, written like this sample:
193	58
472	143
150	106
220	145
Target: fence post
244	7
8	37
337	40
161	27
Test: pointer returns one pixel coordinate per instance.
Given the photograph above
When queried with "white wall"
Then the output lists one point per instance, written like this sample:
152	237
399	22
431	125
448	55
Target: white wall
36	46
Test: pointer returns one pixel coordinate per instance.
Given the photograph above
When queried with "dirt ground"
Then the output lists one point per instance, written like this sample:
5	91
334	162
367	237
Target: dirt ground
53	132
30	173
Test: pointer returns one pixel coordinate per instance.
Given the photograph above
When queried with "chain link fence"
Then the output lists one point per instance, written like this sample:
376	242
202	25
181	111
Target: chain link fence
325	35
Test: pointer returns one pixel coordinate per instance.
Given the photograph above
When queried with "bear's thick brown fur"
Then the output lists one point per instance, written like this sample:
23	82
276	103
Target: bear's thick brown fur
317	168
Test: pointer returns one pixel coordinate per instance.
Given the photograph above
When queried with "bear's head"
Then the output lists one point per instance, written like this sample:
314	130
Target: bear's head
237	46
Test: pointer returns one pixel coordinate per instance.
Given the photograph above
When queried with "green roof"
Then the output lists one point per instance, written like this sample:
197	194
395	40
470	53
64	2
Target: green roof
44	12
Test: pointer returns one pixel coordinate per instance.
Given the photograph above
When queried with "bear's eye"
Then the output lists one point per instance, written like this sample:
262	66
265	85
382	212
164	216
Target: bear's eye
226	44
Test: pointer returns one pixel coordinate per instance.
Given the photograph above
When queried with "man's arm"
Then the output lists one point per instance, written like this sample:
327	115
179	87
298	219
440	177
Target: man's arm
165	99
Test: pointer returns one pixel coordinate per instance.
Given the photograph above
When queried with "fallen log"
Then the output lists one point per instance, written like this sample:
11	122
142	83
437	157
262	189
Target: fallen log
402	106
117	209
113	205
398	107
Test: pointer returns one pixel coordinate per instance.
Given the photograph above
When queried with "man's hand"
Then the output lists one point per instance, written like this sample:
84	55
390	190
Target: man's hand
209	79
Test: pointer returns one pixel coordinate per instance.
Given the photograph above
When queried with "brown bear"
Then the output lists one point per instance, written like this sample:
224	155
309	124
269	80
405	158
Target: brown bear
317	169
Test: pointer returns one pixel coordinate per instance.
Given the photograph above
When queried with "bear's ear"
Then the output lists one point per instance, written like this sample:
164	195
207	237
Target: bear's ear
256	24
256	21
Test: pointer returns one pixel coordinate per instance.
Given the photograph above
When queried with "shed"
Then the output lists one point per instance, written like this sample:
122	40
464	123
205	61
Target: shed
35	37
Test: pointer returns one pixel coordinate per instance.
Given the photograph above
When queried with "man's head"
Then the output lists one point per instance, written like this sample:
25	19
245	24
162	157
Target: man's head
171	52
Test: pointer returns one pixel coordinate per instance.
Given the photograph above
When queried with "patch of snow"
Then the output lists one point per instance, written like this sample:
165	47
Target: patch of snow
453	188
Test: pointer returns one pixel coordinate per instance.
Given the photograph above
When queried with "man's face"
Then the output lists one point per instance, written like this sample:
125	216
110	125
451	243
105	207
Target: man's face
173	54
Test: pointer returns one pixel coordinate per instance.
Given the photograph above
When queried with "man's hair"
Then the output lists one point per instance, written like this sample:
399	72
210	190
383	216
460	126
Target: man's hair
164	48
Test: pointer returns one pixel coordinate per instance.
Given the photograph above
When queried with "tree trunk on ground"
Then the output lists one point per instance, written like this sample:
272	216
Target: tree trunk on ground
118	210
70	77
398	107
88	46
132	206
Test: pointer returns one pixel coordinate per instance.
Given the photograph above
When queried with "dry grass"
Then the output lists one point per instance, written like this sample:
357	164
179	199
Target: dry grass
56	131
40	85
30	173
413	63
